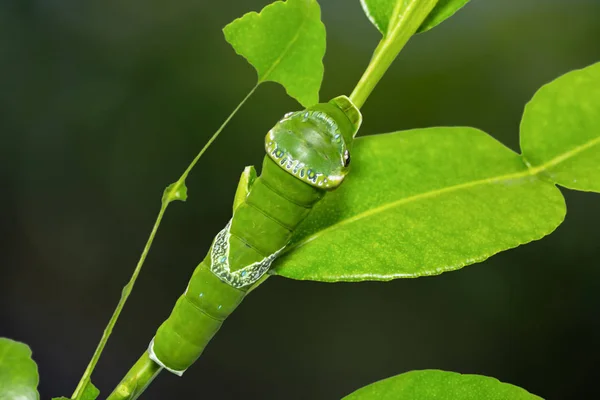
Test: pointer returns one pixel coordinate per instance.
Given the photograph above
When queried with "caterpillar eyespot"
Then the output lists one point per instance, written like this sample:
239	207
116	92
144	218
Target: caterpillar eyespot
307	154
346	159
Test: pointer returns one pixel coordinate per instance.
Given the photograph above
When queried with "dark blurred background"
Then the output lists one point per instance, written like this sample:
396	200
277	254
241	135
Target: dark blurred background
103	103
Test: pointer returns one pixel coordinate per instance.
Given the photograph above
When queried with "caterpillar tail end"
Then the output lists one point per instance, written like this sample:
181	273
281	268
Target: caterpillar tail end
155	358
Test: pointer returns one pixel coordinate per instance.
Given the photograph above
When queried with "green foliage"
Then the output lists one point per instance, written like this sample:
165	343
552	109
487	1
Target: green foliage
560	131
427	201
382	12
379	12
285	43
18	372
422	202
440	385
417	203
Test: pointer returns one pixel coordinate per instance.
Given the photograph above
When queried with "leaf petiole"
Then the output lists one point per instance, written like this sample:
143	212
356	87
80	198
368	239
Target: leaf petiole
404	23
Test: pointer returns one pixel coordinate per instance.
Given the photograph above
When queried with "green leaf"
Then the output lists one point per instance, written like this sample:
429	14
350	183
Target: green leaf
90	392
381	12
176	191
18	372
422	202
443	10
440	385
427	201
560	130
285	43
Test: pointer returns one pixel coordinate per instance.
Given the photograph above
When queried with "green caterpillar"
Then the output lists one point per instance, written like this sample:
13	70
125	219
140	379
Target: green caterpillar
308	153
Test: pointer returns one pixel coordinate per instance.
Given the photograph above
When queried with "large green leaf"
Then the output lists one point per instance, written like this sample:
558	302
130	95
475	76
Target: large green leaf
422	202
440	385
560	130
285	43
432	200
18	372
381	12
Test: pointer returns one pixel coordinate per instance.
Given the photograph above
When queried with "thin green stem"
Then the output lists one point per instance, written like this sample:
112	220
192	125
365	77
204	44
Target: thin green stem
145	369
404	23
137	379
85	379
216	134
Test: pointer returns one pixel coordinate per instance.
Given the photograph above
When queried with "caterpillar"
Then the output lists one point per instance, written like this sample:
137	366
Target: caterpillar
308	154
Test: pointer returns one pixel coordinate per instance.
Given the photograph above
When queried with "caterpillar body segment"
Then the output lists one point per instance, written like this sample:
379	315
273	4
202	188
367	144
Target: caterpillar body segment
307	154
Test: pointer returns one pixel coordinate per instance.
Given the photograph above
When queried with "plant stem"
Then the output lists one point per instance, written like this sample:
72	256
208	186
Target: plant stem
404	23
145	369
137	379
216	134
85	379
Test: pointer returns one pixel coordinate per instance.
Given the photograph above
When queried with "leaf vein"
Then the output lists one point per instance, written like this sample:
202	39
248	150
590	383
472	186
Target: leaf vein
291	43
565	156
410	199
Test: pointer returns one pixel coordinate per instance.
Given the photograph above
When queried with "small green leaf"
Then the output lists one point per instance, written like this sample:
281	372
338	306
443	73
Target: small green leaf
285	43
560	130
422	202
90	392
440	385
18	372
381	12
176	191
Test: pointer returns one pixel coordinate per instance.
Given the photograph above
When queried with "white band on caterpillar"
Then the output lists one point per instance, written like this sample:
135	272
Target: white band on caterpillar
219	262
154	358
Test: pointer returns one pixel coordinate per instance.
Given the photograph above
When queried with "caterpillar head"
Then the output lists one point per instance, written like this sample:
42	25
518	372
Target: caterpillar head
314	145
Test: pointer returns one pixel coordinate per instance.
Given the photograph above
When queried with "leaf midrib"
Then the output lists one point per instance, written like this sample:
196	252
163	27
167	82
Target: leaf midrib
410	199
291	43
400	14
564	156
530	171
